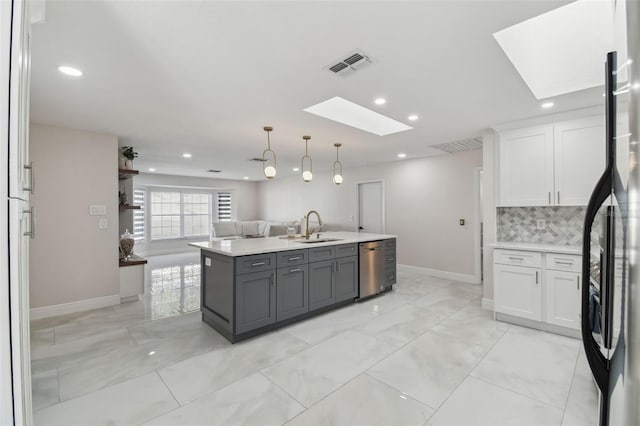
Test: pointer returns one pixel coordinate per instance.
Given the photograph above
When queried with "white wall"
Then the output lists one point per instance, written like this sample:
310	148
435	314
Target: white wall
488	211
245	203
425	198
71	259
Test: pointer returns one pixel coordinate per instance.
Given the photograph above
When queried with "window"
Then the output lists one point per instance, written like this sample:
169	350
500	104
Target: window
195	214
179	214
224	206
138	215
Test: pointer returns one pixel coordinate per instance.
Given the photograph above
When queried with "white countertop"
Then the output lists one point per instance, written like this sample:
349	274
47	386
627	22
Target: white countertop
244	247
544	248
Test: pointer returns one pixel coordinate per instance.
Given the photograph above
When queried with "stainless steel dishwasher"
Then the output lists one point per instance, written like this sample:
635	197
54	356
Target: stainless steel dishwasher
371	268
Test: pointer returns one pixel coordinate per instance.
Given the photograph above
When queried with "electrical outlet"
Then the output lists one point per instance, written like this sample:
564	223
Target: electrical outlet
103	224
541	224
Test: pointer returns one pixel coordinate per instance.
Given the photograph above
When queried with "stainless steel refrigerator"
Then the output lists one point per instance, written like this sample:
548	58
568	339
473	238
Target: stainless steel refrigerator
611	239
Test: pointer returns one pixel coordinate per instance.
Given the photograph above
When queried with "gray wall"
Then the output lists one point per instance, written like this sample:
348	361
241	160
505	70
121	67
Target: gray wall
425	198
70	258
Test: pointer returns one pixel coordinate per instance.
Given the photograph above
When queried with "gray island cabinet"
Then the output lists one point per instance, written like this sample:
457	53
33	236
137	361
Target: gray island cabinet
246	295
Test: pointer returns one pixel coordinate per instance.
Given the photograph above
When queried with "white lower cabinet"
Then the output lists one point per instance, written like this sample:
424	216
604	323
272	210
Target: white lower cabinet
562	301
518	291
547	290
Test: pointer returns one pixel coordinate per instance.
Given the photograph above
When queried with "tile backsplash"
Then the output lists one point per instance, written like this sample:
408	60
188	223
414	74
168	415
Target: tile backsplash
563	225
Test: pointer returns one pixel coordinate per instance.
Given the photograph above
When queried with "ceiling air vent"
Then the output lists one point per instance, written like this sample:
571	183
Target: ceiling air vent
349	63
459	146
214	171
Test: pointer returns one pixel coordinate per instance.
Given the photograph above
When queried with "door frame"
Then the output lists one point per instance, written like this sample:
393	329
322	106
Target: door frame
357	206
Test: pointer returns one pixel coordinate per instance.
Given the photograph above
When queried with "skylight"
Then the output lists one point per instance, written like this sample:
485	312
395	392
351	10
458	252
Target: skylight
561	51
354	115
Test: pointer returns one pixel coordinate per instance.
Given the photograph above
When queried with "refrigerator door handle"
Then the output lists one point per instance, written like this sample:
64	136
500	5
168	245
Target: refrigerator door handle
31	233
32	181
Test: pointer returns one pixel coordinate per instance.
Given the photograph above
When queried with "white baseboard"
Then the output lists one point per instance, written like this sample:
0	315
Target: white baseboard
487	304
442	274
72	307
175	250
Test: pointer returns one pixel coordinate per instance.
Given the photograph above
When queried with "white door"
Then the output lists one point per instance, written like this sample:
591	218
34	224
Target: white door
518	291
526	167
563	298
371	207
579	150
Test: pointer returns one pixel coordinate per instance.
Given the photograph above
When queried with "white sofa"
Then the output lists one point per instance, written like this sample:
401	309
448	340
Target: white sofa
251	228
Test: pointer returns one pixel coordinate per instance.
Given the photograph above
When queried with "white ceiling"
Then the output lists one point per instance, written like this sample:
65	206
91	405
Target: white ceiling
204	77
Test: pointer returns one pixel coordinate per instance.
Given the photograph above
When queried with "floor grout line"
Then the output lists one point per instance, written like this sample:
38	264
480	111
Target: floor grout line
573	379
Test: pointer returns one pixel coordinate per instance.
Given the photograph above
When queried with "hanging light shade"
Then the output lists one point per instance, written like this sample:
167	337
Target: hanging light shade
307	166
337	167
269	157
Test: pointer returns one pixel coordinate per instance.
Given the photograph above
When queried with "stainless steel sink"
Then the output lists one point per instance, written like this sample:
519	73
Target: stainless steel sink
318	240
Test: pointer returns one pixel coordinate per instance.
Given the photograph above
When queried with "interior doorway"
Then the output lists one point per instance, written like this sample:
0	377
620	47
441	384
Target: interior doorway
371	207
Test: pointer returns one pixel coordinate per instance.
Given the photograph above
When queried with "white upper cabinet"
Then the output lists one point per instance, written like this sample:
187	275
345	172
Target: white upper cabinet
579	159
551	165
526	167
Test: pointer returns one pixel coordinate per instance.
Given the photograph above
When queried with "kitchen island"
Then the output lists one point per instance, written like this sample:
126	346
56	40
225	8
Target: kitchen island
251	286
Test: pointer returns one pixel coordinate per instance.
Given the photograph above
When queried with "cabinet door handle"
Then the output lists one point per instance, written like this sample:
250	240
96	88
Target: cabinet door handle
295	270
390	259
32	182
578	282
549	197
563	263
294	258
516	258
273	279
536	277
558	197
31	233
258	264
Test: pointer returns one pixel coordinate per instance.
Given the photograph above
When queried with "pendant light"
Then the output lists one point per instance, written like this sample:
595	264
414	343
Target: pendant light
307	170
337	167
269	164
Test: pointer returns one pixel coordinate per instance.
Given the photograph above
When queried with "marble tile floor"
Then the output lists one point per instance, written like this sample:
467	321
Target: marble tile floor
424	354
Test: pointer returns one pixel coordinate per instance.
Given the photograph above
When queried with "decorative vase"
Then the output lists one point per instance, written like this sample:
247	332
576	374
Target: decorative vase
122	163
126	244
128	164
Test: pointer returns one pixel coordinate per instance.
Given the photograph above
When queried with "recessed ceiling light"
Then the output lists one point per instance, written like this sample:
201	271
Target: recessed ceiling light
246	178
380	101
354	115
402	155
547	105
151	169
412	117
71	71
186	155
296	169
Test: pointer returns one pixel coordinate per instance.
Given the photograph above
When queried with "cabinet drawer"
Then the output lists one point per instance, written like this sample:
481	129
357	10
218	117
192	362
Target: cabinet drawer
390	243
389	259
318	254
292	258
563	262
345	250
255	263
517	257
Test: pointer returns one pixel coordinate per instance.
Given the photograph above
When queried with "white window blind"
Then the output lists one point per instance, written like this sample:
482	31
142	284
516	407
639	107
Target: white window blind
224	206
138	215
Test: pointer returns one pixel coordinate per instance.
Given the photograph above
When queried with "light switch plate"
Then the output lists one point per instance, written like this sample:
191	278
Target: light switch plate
541	224
461	222
97	210
103	224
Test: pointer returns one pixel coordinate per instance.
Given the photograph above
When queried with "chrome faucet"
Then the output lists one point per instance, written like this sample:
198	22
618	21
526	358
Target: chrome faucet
307	234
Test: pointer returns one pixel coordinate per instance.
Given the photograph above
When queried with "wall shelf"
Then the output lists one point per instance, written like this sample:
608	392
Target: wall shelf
128	207
124	174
